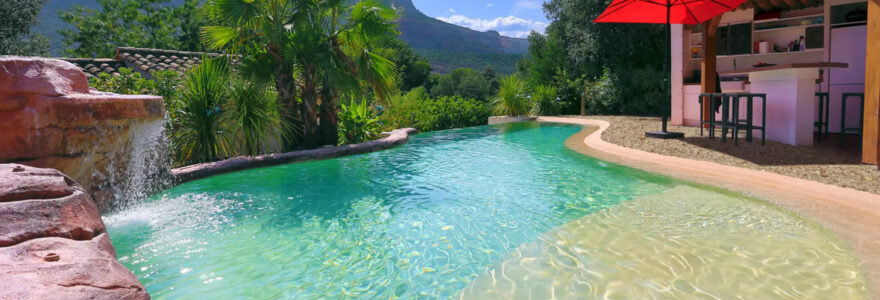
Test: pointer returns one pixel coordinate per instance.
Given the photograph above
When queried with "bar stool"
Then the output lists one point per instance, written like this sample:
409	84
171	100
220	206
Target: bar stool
857	130
711	123
824	107
747	124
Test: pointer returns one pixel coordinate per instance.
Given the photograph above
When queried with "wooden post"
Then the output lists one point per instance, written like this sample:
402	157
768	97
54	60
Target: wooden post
871	129
707	65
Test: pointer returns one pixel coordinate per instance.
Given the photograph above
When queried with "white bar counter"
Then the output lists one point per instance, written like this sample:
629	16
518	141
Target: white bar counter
791	99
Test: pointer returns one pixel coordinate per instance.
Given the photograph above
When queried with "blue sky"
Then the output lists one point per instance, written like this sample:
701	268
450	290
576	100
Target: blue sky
514	18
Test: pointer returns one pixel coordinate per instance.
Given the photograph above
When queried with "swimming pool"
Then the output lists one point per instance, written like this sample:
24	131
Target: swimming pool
493	211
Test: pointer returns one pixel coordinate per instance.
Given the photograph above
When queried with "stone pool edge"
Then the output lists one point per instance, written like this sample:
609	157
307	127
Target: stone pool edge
853	215
184	174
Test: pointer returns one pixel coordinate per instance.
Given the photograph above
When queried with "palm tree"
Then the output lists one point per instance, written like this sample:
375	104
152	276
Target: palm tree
316	52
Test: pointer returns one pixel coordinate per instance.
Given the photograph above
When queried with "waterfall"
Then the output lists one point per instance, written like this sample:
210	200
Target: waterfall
148	160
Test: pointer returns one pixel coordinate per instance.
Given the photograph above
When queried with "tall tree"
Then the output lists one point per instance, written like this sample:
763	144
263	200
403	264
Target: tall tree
318	50
16	19
133	23
628	58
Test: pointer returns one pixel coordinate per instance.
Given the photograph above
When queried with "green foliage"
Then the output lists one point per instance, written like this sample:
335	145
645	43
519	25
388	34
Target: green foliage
200	134
511	99
255	114
357	123
313	49
413	69
127	82
167	85
546	59
418	110
622	62
132	23
17	17
599	94
465	83
543	100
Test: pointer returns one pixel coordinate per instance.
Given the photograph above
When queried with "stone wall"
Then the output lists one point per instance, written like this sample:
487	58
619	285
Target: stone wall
50	118
53	244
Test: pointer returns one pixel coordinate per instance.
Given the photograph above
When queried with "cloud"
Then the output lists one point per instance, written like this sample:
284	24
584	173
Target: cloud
516	33
490	4
451	10
507	26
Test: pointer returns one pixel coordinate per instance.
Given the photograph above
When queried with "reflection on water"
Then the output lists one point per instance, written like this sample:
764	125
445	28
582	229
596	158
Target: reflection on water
426	219
683	243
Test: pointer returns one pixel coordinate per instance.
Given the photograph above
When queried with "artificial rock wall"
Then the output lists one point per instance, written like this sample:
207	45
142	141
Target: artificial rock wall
50	118
53	244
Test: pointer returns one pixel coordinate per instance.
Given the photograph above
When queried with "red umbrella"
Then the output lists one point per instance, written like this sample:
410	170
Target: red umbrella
665	12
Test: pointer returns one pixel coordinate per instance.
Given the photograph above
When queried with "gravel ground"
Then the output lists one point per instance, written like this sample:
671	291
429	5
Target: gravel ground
824	162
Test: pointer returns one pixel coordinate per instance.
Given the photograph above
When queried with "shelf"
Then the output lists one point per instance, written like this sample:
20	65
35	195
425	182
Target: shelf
787	19
791	52
786	28
847	24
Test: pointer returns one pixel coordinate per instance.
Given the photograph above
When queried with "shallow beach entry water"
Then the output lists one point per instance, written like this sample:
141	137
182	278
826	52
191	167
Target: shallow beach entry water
485	212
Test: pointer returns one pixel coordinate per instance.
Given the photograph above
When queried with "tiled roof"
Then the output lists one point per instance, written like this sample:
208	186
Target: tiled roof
142	60
95	66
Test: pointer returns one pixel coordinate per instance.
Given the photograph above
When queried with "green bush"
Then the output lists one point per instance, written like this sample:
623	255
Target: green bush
544	100
201	133
600	94
357	123
164	83
255	114
127	82
418	110
511	99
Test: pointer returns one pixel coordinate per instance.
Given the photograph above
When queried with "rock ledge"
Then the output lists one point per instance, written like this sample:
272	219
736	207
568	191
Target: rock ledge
53	244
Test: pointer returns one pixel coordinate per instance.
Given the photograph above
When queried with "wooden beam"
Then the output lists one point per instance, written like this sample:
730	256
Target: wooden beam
871	127
764	5
794	4
779	5
707	64
811	3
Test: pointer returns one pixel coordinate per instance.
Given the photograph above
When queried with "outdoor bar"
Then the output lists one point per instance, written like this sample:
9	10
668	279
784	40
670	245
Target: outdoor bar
806	56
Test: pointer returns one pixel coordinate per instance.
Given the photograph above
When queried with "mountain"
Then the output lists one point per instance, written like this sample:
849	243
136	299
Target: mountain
446	46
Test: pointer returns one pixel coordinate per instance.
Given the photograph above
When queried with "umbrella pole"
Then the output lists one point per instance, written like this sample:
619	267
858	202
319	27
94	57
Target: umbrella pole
664	134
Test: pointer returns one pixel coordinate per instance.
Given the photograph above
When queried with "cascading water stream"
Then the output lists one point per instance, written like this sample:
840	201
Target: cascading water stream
148	163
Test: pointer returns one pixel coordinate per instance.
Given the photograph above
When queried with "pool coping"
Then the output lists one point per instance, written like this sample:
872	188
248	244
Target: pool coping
184	174
854	215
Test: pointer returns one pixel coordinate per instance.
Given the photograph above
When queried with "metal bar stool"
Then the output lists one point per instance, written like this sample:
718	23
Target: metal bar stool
824	107
748	124
857	130
711	122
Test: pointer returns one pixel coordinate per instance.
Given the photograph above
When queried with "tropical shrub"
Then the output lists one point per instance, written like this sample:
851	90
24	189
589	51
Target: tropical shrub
544	100
511	99
200	134
255	114
357	123
418	110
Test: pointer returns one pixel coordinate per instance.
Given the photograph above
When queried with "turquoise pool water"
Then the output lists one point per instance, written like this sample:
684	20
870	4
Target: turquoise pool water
440	214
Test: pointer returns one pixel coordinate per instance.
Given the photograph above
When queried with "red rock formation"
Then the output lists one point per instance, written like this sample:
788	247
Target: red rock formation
50	118
52	241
